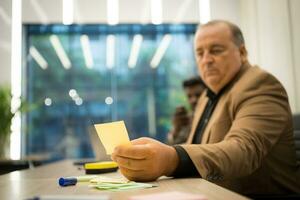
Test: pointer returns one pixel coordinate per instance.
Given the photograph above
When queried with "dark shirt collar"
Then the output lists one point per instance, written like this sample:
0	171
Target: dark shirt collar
210	94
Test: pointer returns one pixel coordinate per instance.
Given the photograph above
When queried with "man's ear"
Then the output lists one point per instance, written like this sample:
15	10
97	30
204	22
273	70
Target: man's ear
243	53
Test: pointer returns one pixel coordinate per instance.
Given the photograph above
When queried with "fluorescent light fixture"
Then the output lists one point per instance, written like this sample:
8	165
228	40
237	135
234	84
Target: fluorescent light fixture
38	57
112	12
110	51
40	12
135	48
16	63
48	102
204	11
86	48
76	98
161	50
5	16
68	12
60	52
78	101
109	100
73	93
156	11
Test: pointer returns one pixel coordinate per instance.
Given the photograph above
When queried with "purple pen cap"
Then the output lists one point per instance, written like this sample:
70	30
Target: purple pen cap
67	181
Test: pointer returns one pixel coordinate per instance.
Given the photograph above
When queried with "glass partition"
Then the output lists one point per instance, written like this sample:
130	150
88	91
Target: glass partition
71	92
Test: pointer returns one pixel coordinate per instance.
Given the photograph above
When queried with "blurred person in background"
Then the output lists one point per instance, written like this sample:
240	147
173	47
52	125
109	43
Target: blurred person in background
182	118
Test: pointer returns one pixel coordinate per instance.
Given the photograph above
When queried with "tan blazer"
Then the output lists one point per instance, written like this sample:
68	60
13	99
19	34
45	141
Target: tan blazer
248	143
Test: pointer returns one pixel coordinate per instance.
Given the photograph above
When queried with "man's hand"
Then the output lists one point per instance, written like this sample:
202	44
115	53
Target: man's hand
146	159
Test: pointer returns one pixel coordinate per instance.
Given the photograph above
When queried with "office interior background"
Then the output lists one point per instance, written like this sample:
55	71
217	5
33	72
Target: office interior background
81	62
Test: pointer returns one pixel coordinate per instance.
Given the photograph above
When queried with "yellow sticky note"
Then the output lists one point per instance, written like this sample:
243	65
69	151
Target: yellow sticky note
112	134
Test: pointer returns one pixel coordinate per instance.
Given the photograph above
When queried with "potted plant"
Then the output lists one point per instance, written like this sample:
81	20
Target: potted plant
5	118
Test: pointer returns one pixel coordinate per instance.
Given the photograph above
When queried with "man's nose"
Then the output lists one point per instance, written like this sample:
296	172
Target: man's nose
207	58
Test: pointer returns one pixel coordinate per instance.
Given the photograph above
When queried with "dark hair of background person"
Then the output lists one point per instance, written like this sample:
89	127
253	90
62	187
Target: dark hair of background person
192	82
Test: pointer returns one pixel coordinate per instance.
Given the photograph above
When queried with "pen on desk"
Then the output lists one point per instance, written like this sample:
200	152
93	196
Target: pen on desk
66	181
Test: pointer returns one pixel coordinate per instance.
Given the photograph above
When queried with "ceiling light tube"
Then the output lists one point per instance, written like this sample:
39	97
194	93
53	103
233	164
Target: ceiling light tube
38	57
112	12
60	52
68	12
110	51
86	48
135	48
160	50
204	11
156	11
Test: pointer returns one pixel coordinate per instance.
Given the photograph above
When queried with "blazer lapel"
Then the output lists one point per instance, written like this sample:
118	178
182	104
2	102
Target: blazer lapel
206	134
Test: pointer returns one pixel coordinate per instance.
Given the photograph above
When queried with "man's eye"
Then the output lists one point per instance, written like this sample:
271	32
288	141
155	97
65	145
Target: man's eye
216	51
199	54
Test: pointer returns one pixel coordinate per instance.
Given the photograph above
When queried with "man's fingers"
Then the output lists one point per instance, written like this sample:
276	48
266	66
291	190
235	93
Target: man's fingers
133	152
135	175
131	164
142	140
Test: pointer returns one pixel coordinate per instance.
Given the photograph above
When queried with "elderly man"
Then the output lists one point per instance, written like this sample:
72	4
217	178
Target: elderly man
242	133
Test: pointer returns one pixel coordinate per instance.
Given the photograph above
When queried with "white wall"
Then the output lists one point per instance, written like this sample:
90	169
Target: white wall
5	41
272	37
270	27
226	10
94	11
294	6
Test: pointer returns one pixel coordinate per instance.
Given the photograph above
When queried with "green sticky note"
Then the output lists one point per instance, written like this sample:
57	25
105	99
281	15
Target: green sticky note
121	186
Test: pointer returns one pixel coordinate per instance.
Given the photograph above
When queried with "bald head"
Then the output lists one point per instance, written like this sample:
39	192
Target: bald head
236	33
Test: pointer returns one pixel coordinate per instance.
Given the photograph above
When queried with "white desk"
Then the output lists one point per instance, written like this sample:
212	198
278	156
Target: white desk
43	180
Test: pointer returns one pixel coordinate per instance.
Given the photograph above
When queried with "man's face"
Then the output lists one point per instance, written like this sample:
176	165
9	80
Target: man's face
218	58
193	93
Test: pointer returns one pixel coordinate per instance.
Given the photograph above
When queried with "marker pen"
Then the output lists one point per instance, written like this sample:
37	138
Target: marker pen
74	179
